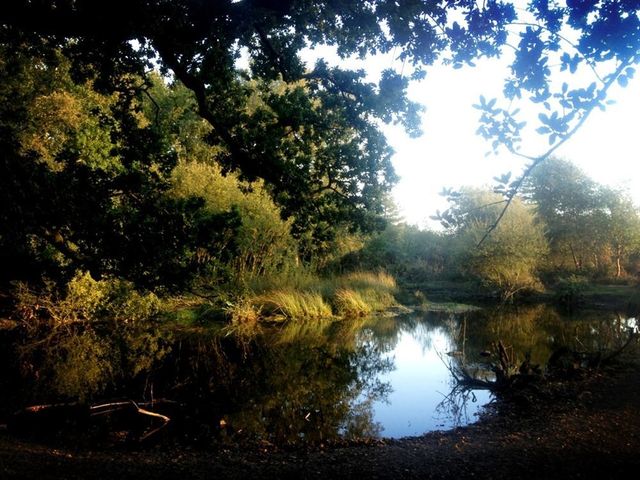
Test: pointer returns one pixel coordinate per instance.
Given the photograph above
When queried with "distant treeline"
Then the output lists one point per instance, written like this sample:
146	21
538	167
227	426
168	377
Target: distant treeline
562	225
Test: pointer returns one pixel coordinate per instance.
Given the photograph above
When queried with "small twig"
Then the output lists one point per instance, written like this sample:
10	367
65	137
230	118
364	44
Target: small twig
156	107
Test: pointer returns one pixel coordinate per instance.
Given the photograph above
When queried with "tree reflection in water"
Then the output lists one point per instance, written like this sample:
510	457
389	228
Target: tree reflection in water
300	382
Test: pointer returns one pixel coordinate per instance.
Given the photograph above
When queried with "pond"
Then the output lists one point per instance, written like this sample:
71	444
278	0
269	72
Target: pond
299	382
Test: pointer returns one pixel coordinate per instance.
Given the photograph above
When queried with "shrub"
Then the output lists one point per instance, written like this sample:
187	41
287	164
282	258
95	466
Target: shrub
569	291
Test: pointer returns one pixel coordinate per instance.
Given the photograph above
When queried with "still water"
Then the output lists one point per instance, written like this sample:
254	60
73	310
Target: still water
299	382
421	384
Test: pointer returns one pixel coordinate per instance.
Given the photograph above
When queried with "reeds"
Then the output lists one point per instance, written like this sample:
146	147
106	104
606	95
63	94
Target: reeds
292	304
356	294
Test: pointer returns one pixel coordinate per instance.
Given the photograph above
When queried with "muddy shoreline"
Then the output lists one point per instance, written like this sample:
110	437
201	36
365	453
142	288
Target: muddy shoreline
583	428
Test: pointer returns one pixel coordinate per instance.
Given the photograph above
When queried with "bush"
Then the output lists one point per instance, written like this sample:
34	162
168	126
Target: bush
95	333
569	291
87	299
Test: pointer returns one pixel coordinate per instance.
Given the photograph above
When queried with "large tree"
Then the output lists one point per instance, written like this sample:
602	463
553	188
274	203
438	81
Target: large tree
312	132
317	141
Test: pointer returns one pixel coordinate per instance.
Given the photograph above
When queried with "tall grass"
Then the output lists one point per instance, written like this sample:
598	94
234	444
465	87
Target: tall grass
380	281
292	305
300	280
305	296
360	293
349	303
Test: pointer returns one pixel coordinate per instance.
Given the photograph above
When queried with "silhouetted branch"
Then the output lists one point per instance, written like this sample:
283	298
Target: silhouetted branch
541	158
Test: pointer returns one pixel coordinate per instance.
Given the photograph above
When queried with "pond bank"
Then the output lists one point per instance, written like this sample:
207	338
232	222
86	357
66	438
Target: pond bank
624	297
587	428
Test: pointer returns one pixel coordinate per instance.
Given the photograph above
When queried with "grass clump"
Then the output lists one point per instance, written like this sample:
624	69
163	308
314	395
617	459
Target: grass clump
305	297
292	304
243	312
349	303
368	292
379	281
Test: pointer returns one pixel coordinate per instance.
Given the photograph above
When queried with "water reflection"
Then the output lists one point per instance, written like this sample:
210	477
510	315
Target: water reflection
304	382
422	397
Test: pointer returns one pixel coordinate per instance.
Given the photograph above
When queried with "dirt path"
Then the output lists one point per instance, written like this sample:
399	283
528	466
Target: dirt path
589	429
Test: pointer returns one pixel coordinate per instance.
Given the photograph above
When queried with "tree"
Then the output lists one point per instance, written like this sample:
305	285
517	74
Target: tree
568	202
591	226
316	142
407	252
263	239
509	260
84	181
623	228
310	132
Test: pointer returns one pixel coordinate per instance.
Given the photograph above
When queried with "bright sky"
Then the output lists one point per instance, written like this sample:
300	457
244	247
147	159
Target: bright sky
450	154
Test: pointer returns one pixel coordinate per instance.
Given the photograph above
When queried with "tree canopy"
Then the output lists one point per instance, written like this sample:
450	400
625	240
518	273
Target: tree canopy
591	228
317	139
79	136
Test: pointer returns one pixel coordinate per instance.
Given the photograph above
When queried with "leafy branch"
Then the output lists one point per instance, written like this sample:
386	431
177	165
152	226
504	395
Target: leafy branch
622	71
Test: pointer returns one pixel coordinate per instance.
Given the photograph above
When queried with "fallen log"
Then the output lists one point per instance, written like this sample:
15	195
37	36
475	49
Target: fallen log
61	419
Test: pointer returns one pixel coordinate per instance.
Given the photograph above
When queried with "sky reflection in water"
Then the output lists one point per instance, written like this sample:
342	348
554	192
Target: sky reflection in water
303	381
421	384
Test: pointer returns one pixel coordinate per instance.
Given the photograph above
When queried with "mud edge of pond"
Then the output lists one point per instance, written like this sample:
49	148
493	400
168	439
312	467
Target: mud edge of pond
583	428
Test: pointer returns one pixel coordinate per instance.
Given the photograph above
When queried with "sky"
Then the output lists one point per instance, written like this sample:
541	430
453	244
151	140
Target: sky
451	154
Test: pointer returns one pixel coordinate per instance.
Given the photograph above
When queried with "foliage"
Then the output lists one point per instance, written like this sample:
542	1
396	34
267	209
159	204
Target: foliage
88	300
592	229
278	161
570	291
263	241
508	261
97	331
312	132
410	254
84	181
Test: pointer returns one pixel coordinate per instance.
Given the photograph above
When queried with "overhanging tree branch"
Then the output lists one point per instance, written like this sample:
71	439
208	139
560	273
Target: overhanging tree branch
517	185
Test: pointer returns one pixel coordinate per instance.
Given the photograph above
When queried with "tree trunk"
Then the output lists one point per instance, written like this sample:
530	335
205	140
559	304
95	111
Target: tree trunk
576	262
618	262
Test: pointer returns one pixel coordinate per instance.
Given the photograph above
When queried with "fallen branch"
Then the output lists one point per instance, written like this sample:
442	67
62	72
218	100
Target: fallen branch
59	413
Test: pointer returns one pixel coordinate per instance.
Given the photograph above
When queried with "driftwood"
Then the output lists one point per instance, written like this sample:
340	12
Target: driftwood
504	370
55	418
508	372
108	408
